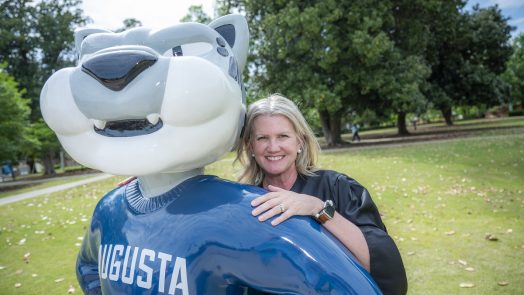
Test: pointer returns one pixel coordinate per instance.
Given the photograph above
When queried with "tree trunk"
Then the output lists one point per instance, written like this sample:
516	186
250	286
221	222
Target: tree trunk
47	160
331	127
447	114
401	124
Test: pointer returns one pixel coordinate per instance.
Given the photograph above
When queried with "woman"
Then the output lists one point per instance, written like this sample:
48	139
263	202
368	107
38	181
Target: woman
279	152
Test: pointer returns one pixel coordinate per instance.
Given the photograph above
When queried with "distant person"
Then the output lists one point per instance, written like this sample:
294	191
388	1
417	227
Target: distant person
414	121
279	153
354	129
7	169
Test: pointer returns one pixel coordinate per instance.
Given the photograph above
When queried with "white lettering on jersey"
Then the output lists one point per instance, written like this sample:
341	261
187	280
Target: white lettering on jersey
134	265
115	265
179	269
164	258
129	279
103	261
146	284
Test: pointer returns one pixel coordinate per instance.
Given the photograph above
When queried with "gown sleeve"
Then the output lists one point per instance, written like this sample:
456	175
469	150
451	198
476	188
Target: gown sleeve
354	202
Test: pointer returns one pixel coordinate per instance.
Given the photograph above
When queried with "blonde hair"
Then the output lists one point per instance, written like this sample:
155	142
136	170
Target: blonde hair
277	104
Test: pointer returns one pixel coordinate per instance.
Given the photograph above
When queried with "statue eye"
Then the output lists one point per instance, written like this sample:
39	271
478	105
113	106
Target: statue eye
177	51
193	49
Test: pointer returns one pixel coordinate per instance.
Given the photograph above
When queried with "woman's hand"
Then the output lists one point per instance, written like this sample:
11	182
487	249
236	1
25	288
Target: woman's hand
286	203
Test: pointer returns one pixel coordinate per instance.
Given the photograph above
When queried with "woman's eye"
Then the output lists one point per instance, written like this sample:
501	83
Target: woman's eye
261	138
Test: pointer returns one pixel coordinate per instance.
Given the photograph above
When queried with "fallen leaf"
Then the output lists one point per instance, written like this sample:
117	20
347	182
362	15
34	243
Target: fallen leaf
503	283
411	253
469	269
71	289
21	242
467	285
26	257
18	272
463	262
34	275
18	285
2	267
59	280
450	233
491	237
509	231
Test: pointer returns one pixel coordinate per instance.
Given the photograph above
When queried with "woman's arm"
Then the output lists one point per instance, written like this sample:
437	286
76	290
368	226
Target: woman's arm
278	200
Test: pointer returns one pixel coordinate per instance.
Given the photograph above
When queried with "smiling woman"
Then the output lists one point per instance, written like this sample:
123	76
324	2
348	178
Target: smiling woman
279	153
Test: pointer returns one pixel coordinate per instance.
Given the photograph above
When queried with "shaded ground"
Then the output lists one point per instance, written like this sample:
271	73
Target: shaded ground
436	131
31	180
48	190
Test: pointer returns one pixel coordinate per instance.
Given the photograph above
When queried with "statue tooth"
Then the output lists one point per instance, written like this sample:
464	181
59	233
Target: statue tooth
100	124
153	118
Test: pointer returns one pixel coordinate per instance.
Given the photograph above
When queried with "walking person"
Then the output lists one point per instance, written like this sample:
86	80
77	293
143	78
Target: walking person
354	129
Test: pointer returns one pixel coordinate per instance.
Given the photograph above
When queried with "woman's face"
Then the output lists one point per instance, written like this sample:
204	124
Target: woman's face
275	145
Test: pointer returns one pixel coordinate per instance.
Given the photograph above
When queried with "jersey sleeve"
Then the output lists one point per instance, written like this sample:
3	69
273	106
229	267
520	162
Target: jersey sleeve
354	202
87	261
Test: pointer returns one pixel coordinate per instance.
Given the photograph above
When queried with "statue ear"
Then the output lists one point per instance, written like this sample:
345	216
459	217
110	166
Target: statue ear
82	33
233	28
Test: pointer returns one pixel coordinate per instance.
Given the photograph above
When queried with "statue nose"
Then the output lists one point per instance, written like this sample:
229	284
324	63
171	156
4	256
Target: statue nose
115	70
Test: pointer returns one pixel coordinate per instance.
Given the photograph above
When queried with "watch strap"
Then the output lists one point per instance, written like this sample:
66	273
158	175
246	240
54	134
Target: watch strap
322	216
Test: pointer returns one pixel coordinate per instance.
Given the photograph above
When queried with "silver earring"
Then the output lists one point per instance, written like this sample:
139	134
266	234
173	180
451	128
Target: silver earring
253	155
299	151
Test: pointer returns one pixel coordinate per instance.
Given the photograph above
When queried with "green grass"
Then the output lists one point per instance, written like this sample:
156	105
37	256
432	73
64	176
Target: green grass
439	200
49	229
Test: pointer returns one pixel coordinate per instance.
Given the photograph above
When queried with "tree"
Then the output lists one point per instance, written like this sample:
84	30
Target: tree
13	117
411	37
196	14
329	55
37	39
17	45
128	24
514	74
468	53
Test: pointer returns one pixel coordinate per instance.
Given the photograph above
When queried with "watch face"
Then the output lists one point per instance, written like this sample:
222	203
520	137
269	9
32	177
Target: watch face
330	210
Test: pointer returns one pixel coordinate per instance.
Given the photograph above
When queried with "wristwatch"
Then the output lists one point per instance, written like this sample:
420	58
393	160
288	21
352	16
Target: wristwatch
326	213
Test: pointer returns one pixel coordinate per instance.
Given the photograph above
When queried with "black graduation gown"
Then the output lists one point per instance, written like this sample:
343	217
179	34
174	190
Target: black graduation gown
354	202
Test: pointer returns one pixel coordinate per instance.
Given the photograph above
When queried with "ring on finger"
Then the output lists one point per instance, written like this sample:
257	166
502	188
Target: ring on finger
282	209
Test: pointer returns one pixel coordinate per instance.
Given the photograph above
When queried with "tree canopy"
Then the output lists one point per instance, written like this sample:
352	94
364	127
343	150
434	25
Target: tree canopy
388	57
514	74
36	39
13	118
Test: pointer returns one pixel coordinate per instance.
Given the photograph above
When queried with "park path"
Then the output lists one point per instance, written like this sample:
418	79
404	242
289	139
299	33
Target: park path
48	190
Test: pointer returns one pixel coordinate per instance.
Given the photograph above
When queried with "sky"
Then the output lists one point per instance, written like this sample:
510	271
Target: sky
109	14
510	8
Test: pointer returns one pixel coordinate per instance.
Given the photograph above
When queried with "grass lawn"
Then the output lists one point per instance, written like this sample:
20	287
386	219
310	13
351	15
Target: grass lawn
440	201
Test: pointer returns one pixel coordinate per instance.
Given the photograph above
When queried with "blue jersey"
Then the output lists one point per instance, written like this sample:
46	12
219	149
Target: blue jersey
200	238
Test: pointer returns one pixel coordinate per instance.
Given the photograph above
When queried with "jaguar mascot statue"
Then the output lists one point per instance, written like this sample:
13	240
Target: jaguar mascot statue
160	105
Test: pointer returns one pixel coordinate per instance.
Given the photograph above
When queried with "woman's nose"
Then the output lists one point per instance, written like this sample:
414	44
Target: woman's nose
273	145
